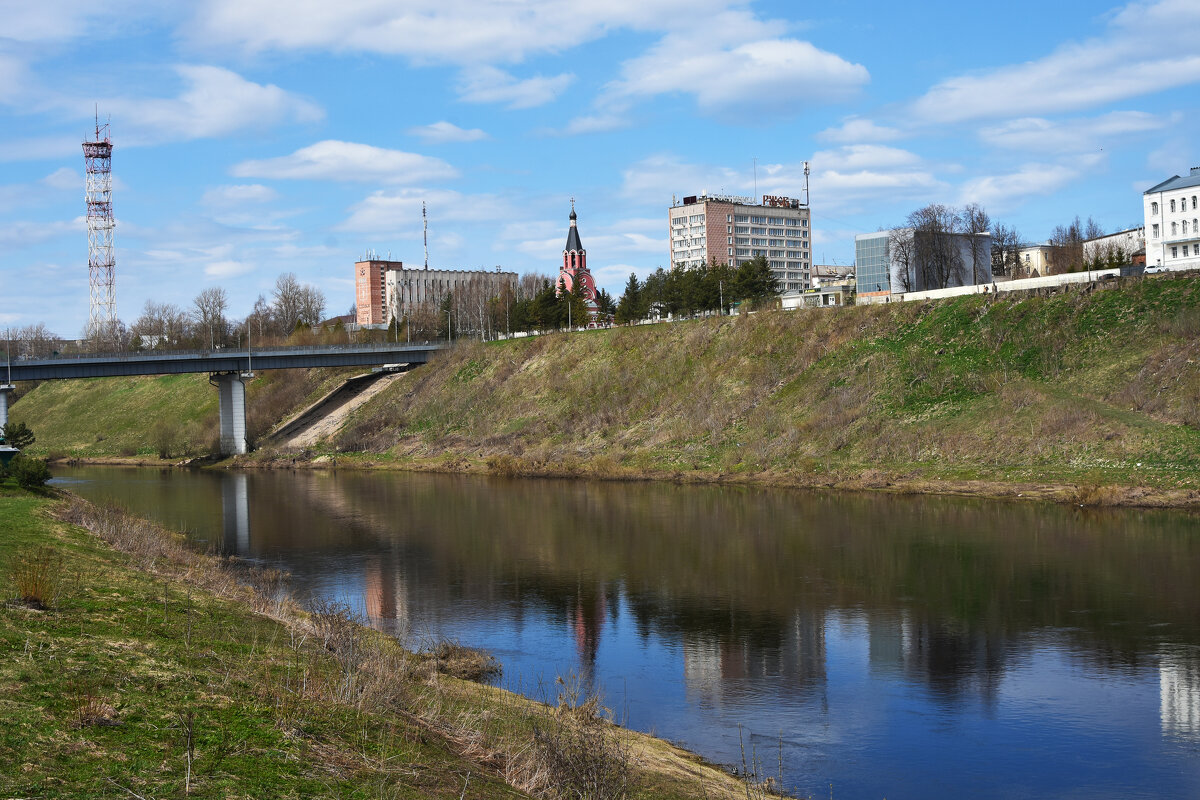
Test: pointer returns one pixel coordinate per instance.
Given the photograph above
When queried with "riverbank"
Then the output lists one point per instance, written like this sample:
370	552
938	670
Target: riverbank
137	666
1090	396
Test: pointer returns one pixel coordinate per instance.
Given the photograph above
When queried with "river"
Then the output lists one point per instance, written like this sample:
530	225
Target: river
899	647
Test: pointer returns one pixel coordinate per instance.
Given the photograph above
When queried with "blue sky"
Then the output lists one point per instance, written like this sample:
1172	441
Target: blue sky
254	137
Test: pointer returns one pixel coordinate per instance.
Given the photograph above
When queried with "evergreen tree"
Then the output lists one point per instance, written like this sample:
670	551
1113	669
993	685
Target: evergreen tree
755	282
17	434
629	308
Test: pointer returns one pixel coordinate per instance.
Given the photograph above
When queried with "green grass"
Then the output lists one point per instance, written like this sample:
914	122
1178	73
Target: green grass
154	654
1052	389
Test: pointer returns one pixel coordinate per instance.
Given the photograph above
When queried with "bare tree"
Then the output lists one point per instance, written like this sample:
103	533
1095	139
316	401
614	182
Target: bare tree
938	260
1006	251
312	305
287	302
161	325
209	313
32	341
1066	247
975	223
902	252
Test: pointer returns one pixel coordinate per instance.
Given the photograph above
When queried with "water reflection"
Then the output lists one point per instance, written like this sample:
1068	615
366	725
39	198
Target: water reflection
887	642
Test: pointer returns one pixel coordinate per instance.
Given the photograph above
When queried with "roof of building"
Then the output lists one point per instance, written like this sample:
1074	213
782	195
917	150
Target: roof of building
573	242
1177	182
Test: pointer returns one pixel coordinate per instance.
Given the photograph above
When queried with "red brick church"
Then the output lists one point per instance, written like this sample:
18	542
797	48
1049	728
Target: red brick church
574	265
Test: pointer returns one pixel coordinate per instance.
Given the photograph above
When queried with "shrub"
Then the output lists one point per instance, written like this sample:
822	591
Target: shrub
30	473
37	575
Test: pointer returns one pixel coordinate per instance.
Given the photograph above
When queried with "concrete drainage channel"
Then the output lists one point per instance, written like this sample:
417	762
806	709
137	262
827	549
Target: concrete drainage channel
326	415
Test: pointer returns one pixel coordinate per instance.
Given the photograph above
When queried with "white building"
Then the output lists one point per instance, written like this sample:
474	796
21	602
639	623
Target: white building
1128	243
1172	210
730	230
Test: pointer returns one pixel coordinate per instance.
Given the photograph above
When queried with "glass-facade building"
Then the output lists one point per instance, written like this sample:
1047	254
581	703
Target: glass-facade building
872	264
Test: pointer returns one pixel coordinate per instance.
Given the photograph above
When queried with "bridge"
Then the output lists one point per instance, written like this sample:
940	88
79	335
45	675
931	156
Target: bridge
227	369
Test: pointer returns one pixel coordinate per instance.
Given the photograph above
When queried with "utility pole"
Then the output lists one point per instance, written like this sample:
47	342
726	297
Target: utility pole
721	289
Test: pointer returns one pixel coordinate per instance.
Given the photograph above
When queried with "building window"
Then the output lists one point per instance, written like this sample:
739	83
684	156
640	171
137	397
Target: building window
1193	201
1172	205
1174	227
1154	209
1153	228
1174	252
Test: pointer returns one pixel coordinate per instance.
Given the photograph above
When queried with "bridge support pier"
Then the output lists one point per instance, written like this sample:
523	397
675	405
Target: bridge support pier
231	395
5	390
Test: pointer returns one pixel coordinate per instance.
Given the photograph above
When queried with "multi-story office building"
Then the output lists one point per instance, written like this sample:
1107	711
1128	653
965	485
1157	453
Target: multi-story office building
408	289
1172	212
731	229
907	260
385	290
370	293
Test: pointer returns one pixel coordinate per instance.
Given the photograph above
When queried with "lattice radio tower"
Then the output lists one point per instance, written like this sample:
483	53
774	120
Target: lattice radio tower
97	156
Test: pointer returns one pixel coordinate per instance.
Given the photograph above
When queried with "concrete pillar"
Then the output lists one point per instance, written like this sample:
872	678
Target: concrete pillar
231	393
235	502
5	390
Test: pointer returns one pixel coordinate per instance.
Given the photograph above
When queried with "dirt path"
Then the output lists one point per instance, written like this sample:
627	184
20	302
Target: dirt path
325	419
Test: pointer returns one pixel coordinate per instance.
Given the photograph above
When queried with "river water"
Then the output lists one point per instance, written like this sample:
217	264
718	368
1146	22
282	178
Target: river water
891	646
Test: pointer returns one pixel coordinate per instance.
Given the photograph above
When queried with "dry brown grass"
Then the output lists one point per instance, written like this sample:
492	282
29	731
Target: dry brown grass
38	577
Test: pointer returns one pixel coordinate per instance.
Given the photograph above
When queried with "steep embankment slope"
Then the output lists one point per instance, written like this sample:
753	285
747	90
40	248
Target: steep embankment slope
1078	390
167	415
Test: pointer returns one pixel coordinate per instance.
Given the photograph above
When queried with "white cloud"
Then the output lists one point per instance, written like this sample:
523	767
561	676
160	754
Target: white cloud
1148	47
333	160
227	269
1003	191
856	130
60	20
735	62
434	31
593	123
64	178
492	85
860	156
398	212
1080	135
17	235
653	180
215	103
440	132
238	195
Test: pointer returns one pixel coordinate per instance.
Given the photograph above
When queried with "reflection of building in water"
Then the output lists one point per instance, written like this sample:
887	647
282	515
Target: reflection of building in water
955	659
888	639
385	595
1179	695
719	670
235	505
587	619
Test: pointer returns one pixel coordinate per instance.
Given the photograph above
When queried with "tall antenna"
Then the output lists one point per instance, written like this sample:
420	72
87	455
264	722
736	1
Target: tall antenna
97	157
806	183
425	233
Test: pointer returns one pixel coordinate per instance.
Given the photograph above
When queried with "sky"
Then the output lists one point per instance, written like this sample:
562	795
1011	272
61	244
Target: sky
257	137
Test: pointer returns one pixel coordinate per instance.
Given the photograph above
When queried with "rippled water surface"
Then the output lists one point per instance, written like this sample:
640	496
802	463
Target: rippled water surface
893	647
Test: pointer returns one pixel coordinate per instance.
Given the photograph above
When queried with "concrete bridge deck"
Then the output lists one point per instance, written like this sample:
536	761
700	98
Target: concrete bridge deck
173	362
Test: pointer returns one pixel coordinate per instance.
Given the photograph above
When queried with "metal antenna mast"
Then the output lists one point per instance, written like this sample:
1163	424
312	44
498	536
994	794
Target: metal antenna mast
806	183
97	157
425	233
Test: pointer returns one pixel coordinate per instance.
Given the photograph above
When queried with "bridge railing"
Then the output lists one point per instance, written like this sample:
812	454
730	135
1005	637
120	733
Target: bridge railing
299	349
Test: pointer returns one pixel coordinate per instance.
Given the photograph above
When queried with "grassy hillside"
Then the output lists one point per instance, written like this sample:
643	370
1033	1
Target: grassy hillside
133	666
1083	389
171	415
